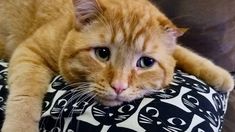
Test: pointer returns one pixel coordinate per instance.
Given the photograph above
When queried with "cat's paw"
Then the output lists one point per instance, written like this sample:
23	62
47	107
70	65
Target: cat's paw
219	78
22	114
19	127
228	83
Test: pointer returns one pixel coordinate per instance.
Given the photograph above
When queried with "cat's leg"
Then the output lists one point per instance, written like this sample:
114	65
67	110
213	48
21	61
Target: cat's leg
203	68
1	49
2	46
28	81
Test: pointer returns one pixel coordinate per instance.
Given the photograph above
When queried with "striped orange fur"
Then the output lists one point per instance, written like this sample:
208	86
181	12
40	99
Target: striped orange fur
42	38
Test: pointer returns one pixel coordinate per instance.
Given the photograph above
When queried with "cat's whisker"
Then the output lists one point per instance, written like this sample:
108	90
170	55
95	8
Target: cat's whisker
89	96
67	86
76	93
90	101
70	92
92	97
81	92
62	110
76	84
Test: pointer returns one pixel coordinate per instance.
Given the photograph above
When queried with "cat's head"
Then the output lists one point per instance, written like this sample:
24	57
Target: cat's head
122	47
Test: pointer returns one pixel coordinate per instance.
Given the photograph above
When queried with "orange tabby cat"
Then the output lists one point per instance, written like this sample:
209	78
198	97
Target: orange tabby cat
124	48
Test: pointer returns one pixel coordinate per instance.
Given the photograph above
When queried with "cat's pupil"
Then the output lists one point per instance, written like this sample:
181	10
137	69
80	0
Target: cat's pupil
102	53
145	62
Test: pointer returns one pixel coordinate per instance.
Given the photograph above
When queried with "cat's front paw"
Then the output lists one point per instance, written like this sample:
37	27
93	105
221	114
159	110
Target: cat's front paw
21	115
228	83
19	127
220	79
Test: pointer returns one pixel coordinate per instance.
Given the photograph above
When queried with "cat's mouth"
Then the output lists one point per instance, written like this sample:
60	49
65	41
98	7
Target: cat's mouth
113	99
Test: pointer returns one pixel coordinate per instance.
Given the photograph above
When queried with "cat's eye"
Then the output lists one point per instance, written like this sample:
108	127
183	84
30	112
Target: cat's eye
145	62
102	53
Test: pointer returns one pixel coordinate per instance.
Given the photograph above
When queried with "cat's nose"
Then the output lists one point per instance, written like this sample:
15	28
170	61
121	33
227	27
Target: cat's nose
119	86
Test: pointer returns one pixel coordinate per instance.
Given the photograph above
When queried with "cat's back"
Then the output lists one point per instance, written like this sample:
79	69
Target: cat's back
21	18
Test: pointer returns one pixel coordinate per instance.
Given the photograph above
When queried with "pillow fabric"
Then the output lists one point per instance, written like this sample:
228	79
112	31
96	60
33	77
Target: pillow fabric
211	32
211	26
188	105
229	119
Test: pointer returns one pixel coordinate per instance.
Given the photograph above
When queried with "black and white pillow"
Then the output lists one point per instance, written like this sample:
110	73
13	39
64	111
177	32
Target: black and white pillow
189	105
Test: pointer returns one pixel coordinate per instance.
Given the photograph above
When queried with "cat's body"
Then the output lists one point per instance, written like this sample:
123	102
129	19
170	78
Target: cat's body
123	48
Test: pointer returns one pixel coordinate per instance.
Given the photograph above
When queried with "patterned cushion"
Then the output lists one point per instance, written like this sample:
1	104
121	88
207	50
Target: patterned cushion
189	105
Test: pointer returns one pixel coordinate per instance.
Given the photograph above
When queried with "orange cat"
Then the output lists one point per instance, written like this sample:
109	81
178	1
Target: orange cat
123	48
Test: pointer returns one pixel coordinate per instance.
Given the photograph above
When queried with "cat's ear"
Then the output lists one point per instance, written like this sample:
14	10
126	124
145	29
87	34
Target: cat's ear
86	11
171	32
169	28
174	31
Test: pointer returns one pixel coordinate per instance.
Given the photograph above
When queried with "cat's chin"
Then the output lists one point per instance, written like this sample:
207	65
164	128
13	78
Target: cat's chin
116	102
110	103
120	99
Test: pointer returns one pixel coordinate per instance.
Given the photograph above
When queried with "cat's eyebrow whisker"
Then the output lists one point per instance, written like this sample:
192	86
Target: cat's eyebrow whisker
103	20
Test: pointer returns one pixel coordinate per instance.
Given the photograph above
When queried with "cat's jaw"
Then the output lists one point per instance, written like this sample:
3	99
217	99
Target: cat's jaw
110	103
126	96
111	99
